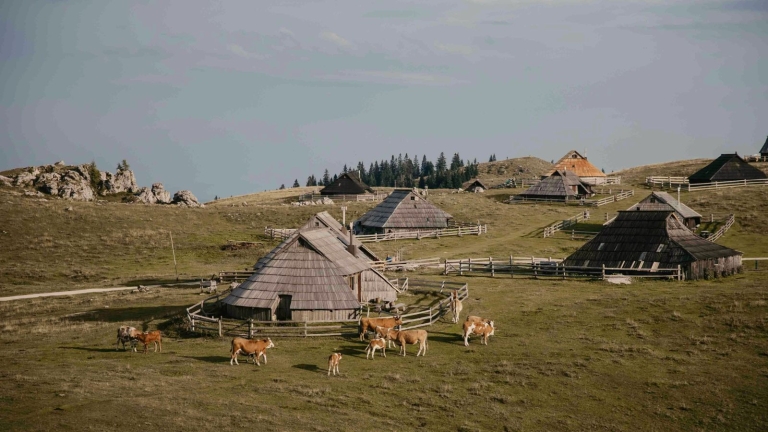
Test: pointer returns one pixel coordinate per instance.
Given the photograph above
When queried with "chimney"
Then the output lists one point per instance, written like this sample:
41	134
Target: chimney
351	248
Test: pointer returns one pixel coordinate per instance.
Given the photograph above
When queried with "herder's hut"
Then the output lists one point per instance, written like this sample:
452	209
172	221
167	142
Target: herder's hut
476	186
727	167
402	210
347	184
665	201
574	162
324	219
310	276
560	186
764	151
641	239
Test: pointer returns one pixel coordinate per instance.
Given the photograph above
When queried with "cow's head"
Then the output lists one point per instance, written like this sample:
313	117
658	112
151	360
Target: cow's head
398	320
269	343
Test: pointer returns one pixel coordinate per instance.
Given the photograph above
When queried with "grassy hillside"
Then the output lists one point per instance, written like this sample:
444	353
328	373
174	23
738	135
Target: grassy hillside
568	355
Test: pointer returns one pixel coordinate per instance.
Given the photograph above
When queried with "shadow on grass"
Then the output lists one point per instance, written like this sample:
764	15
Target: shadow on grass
103	350
133	314
449	338
310	368
213	359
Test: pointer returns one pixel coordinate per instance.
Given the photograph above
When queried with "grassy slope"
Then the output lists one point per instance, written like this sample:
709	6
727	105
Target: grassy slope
568	355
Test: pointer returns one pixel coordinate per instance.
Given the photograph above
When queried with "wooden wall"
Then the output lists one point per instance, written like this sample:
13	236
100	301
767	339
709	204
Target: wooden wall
375	287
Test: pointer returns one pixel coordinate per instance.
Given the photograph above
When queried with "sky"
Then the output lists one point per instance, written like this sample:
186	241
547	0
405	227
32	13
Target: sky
233	97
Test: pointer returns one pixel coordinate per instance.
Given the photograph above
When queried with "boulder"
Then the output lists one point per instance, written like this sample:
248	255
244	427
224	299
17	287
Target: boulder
146	196
26	179
60	163
6	181
120	181
185	198
48	183
162	196
73	185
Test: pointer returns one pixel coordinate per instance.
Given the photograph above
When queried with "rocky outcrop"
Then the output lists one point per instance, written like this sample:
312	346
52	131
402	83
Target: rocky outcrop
74	185
121	181
48	183
186	199
6	181
26	179
145	196
162	195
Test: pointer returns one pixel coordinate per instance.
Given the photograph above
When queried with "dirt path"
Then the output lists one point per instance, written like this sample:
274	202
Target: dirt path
67	293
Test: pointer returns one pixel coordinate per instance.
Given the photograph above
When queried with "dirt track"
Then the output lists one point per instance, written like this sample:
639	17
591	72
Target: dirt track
67	293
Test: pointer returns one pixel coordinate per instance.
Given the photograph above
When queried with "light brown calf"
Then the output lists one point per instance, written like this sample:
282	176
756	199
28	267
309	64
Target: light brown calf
147	338
456	306
256	348
378	343
484	328
126	334
412	337
333	363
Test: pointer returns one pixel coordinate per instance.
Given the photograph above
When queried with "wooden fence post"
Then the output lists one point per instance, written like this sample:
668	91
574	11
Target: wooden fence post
305	329
193	324
603	271
461	269
219	326
250	328
511	272
490	260
679	273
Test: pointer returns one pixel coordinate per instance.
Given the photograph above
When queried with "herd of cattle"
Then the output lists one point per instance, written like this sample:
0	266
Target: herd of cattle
386	332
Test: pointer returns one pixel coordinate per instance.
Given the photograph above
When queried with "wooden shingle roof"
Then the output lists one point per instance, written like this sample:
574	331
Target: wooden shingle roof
578	164
643	239
475	183
347	184
325	219
558	185
729	166
405	209
764	150
666	202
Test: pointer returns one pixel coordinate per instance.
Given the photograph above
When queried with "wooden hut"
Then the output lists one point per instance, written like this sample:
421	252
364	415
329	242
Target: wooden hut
403	210
764	150
560	186
727	167
347	184
665	201
574	162
324	219
310	276
476	186
655	239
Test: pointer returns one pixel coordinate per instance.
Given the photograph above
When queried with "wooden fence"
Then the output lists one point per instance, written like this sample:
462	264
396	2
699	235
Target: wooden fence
278	233
200	321
719	233
726	184
668	180
424	233
583	202
352	197
235	276
406	265
552	229
553	268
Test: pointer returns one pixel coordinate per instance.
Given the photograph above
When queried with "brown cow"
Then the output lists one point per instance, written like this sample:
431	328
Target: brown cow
126	334
484	328
333	363
250	347
404	337
378	343
456	306
370	324
147	338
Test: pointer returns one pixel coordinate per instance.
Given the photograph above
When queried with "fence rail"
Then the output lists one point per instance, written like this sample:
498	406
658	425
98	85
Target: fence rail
234	276
723	229
278	233
727	184
584	202
669	180
406	265
349	197
555	227
420	234
542	267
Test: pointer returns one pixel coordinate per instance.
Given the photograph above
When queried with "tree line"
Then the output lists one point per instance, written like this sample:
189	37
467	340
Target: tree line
403	171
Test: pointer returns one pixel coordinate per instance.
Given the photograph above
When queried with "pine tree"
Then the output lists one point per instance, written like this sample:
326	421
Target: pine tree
441	165
326	178
344	170
456	162
282	186
296	183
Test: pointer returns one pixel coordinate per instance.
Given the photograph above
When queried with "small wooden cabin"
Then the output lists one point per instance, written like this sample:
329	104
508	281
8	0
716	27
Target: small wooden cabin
727	167
347	184
476	186
574	162
561	185
665	201
655	239
403	210
324	219
310	276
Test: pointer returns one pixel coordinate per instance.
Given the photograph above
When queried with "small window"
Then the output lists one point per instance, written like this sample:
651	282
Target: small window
413	198
601	246
317	224
660	248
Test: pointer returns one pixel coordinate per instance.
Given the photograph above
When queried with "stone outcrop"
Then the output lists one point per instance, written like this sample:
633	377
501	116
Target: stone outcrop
6	181
74	185
26	179
145	196
162	195
121	181
186	199
48	183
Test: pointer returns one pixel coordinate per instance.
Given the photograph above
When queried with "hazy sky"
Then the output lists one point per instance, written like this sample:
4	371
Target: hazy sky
240	96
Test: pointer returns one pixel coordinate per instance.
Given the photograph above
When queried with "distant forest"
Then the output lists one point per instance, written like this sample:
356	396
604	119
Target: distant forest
402	171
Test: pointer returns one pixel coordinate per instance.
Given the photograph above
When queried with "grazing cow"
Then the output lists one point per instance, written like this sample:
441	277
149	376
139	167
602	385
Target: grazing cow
333	363
126	334
147	338
250	347
369	324
373	345
455	306
483	328
404	337
381	332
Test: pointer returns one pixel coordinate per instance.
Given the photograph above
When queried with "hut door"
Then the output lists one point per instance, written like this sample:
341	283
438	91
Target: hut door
284	308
